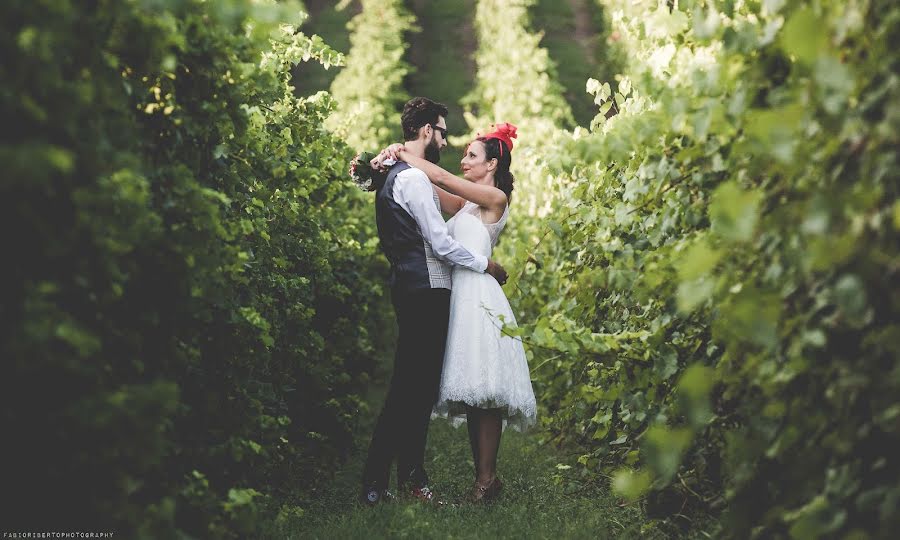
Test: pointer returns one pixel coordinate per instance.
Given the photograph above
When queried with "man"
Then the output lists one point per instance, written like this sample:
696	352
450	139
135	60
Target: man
415	240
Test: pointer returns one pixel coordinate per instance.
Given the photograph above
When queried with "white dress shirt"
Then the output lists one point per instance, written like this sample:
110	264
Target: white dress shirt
414	193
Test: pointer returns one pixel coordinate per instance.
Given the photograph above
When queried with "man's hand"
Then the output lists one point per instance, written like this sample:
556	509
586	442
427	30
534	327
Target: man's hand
497	271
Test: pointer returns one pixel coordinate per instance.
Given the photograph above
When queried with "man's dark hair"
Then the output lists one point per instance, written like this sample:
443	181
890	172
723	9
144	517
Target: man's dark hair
418	112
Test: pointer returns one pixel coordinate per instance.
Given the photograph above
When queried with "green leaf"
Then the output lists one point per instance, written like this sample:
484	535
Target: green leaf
836	82
775	130
816	519
696	382
82	340
61	159
631	484
706	22
751	316
805	35
850	297
691	294
240	497
734	212
605	91
698	260
666	363
664	448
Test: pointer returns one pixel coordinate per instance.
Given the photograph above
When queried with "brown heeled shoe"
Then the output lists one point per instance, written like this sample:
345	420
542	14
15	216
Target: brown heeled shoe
486	493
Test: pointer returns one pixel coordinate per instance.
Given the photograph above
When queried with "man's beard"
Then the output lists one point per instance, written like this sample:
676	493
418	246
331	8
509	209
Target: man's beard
433	151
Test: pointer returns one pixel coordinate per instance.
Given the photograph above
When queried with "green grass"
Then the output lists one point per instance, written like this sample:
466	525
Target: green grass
538	500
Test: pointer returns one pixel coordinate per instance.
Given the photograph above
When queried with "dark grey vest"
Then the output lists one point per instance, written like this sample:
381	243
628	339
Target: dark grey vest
402	241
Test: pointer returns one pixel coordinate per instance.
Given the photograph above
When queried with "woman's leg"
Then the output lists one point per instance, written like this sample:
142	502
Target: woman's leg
490	428
472	422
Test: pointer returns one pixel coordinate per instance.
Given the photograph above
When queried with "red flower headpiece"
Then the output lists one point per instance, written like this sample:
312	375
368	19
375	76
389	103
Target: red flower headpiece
505	132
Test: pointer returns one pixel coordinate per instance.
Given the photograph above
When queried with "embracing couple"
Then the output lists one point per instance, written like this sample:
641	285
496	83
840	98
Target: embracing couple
452	358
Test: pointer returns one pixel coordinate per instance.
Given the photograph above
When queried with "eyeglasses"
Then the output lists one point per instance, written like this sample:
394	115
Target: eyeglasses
442	130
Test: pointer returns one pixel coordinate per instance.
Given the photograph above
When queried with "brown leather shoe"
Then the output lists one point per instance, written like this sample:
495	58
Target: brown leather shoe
483	494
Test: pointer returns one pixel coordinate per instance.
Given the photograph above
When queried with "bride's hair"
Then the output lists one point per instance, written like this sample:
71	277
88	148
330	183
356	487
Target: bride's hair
503	178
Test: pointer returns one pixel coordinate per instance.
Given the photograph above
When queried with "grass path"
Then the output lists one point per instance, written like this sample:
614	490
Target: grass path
539	499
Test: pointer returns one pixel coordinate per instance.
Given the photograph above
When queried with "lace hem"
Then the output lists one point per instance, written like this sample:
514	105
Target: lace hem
519	418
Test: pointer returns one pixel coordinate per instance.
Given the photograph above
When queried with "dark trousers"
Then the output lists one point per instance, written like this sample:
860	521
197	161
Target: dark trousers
402	428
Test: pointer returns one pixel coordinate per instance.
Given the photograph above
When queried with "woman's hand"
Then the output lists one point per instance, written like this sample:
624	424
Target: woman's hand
391	152
377	162
394	150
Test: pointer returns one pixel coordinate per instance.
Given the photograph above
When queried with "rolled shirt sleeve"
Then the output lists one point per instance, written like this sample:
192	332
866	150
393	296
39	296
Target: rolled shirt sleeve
416	196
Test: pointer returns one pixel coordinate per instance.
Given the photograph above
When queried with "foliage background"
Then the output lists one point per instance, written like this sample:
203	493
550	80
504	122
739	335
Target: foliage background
194	301
713	300
705	275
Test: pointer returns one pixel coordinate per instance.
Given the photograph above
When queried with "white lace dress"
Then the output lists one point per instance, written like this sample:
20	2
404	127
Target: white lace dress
482	366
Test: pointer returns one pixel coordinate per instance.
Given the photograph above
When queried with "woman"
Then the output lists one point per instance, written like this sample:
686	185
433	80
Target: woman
485	380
